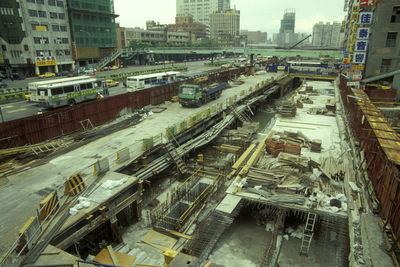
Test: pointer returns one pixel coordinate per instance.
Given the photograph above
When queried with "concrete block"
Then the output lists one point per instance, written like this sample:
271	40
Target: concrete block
123	155
101	166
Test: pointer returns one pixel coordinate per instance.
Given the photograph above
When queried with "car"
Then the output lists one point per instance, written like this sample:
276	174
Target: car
3	75
3	85
17	76
64	73
105	68
114	68
27	97
111	83
47	75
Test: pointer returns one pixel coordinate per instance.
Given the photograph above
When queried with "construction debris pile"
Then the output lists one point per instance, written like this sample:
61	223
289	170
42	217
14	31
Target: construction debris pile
303	97
242	134
288	109
291	142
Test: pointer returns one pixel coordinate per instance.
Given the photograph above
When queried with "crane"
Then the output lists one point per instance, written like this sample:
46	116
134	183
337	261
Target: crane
293	46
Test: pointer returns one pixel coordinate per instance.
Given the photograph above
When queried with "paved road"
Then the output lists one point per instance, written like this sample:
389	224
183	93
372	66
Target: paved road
23	109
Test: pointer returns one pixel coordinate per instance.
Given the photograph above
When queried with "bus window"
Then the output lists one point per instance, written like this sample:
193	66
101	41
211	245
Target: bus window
57	91
68	89
43	92
90	85
147	81
83	86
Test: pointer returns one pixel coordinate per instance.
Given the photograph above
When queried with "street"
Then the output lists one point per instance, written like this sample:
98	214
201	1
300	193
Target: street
17	110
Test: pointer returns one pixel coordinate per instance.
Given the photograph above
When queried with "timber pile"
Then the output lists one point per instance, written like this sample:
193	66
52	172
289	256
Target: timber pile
288	109
333	168
305	100
274	146
242	134
288	142
298	162
316	145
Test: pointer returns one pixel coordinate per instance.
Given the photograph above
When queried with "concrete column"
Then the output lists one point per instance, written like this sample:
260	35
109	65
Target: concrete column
37	72
56	68
115	229
139	201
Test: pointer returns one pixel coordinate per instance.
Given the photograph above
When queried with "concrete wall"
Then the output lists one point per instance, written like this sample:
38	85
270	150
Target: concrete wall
377	50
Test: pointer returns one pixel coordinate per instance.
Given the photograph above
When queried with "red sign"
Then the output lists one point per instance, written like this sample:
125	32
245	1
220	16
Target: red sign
367	2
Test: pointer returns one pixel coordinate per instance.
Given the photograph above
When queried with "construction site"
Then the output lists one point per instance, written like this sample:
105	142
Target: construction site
281	170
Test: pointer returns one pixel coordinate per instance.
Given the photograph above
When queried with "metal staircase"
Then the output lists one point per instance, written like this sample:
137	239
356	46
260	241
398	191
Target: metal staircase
47	147
107	60
174	155
308	233
242	116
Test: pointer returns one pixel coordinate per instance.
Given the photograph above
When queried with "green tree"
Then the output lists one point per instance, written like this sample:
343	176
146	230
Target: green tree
206	42
139	45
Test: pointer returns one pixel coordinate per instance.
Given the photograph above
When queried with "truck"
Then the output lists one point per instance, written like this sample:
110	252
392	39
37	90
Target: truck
197	94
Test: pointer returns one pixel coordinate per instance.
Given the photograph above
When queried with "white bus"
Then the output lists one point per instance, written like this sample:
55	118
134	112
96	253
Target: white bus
70	92
33	87
135	83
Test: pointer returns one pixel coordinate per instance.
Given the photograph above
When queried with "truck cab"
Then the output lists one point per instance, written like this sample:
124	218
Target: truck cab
190	95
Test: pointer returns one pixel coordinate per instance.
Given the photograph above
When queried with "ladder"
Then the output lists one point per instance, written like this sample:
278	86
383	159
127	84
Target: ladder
241	116
308	233
174	155
47	147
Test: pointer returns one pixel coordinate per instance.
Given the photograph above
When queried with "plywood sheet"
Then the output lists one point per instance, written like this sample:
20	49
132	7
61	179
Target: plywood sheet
105	258
159	240
229	203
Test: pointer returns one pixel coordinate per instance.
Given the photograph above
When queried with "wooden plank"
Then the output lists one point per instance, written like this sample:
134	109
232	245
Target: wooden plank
123	259
114	259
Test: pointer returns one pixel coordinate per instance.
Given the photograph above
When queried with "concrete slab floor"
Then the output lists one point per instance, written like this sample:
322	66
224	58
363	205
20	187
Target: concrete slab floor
243	244
321	254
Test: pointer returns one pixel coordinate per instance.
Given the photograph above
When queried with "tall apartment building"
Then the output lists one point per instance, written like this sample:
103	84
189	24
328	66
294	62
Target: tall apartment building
35	36
372	42
93	29
255	37
327	35
288	21
225	27
201	10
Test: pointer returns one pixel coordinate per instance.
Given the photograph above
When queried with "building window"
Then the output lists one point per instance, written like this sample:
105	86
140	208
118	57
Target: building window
59	52
52	2
67	52
40	2
53	15
26	47
63	28
61	15
32	13
395	15
4	48
65	40
42	14
40	40
60	4
55	28
386	65
30	1
391	39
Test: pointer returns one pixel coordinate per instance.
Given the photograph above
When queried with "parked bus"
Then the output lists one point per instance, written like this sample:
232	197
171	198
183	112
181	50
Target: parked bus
33	87
135	83
70	92
307	67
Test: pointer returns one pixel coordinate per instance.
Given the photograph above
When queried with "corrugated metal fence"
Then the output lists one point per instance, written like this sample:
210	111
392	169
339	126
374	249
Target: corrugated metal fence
383	178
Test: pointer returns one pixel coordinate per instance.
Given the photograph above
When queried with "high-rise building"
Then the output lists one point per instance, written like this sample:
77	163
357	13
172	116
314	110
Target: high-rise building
255	37
288	21
35	36
93	28
201	10
373	37
327	35
225	27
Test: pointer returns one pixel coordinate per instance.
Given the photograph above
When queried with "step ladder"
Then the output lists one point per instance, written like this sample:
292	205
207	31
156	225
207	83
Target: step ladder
241	116
174	155
308	233
47	147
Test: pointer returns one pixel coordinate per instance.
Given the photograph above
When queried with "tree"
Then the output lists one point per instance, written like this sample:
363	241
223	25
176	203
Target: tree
139	45
206	42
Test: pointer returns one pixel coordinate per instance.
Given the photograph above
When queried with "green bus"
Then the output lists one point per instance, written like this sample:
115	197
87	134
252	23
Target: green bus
70	91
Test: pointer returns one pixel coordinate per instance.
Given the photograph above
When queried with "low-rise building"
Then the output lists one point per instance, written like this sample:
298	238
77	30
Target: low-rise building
255	37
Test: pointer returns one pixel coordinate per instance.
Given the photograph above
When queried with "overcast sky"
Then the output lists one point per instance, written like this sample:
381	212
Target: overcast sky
264	15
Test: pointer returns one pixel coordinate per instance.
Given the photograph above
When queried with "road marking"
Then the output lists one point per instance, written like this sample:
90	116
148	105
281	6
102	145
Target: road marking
16	110
6	106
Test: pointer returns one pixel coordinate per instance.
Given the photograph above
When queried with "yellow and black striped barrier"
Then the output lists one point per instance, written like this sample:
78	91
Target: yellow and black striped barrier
74	185
48	205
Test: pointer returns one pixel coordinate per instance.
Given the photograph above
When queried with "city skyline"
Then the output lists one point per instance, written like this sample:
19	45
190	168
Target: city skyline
251	14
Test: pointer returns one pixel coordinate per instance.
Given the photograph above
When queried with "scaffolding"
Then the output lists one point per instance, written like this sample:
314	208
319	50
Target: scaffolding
185	201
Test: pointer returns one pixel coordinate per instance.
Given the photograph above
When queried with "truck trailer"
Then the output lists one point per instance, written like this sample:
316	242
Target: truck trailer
195	95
